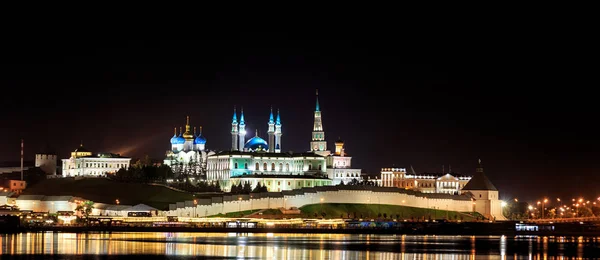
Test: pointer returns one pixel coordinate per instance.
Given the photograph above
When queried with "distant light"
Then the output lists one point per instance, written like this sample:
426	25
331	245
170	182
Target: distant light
503	204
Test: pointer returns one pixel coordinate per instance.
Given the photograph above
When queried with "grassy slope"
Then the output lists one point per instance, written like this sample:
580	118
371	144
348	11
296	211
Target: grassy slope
106	191
334	210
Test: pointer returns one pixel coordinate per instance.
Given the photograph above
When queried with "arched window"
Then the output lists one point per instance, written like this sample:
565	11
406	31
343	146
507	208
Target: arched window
246	166
235	166
319	167
287	167
280	167
264	166
310	167
256	167
272	166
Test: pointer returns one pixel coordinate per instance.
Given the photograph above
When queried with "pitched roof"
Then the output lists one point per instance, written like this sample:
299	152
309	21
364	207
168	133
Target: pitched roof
479	182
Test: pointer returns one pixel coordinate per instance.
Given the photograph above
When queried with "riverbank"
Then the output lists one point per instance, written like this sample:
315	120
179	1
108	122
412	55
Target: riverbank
412	228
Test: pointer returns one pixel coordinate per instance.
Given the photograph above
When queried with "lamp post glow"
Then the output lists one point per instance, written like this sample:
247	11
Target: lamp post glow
321	210
195	204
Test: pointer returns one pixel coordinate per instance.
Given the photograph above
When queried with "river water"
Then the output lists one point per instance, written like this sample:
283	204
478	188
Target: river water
293	246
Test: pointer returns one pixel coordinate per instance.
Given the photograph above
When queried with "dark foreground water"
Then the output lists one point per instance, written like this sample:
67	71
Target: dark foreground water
292	246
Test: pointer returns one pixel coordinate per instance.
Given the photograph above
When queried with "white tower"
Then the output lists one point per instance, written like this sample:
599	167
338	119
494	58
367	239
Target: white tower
271	132
318	143
47	162
234	131
242	132
278	134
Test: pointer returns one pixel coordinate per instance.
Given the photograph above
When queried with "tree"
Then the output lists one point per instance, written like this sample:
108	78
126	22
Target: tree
342	183
257	188
234	189
323	214
247	188
217	187
384	215
85	208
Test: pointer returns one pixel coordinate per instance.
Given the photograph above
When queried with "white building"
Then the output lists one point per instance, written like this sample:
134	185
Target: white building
339	166
188	151
84	163
484	195
258	161
450	183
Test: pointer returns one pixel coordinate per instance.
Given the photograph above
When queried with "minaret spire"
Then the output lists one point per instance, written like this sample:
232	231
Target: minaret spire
235	115
278	134
235	131
242	117
271	132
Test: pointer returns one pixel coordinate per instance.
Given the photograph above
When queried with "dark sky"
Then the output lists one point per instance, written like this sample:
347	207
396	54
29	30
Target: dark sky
527	110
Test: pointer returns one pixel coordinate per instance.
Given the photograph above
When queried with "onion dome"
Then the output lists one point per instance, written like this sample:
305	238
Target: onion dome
174	138
200	139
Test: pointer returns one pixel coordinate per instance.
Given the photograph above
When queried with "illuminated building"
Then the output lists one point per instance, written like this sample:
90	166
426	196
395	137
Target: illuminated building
339	166
450	183
258	161
84	163
188	151
484	195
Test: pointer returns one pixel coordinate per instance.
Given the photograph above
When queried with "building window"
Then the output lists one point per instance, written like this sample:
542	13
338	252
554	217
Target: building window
299	184
287	167
256	167
310	167
264	166
319	167
245	166
235	165
280	167
279	183
289	183
272	166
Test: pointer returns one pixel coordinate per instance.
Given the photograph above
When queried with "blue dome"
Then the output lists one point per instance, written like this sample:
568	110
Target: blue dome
200	140
255	142
178	140
174	139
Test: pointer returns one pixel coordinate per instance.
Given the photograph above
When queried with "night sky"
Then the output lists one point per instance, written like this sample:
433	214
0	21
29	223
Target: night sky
524	110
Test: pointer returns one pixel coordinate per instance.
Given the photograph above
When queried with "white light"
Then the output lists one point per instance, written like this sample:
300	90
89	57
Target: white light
503	204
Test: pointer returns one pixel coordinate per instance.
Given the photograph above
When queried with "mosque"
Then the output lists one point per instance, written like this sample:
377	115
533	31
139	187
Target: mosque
257	160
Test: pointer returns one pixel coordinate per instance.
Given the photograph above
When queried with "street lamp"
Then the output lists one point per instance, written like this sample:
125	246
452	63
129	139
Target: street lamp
117	201
321	208
195	205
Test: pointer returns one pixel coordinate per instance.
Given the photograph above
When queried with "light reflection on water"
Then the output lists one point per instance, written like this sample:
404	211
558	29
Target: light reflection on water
298	246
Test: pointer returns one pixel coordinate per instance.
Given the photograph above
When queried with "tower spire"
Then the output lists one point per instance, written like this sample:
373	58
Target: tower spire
278	118
194	130
255	132
242	117
200	133
271	116
318	108
187	120
175	130
234	120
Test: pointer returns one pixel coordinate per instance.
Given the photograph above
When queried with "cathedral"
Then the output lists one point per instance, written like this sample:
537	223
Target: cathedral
188	152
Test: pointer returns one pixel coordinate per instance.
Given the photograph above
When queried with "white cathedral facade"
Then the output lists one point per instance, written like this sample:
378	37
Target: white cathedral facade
188	151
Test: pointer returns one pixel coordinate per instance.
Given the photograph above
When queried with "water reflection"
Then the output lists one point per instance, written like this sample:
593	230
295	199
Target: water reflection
299	246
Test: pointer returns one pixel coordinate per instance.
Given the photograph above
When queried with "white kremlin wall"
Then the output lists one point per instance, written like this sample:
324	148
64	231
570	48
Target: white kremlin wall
299	198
